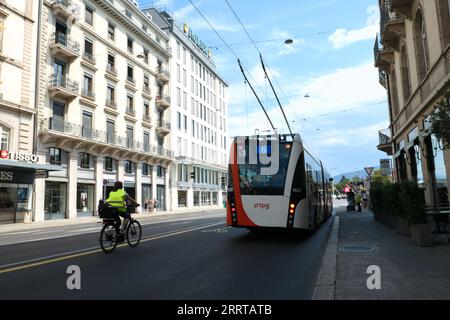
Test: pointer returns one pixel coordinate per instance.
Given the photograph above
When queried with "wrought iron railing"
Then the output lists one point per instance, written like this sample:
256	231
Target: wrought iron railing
385	136
111	69
163	98
79	131
64	3
88	93
164	124
63	82
89	57
111	103
65	41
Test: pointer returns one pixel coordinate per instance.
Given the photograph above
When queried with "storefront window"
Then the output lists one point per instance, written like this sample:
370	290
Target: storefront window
85	199
14	198
146	195
196	198
215	197
55	200
438	168
182	198
415	159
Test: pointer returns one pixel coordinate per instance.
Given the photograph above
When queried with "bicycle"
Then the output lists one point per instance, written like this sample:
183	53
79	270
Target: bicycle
109	238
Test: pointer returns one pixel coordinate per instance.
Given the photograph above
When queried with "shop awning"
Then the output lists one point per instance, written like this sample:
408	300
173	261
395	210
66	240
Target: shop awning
25	166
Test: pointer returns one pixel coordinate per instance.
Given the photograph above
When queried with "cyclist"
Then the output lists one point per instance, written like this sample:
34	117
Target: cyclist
119	199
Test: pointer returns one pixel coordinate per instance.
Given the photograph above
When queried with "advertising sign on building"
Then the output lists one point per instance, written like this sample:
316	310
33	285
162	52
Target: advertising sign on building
385	165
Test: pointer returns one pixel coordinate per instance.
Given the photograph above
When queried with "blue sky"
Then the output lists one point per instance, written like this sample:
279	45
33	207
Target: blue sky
331	61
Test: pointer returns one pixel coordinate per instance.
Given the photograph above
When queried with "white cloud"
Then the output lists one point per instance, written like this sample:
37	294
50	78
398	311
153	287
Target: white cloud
329	93
343	37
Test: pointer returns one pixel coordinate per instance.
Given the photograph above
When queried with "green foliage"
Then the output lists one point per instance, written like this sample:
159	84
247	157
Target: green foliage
404	199
412	200
440	121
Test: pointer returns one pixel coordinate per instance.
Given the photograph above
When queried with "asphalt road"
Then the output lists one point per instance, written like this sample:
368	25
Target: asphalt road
197	258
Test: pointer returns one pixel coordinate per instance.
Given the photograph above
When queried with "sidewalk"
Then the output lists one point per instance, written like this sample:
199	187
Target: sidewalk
407	271
18	227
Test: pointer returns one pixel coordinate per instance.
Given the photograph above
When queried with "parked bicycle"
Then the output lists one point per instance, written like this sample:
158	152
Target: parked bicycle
110	235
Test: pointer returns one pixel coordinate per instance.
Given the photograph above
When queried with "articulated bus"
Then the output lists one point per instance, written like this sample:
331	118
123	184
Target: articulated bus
298	195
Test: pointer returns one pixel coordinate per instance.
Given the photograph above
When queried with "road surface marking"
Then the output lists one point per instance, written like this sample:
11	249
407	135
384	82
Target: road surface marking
81	254
82	230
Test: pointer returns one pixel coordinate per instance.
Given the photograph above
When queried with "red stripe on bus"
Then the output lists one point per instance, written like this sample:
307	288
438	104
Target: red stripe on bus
242	217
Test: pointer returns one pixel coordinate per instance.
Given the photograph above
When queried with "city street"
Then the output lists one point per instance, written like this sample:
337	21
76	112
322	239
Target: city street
195	258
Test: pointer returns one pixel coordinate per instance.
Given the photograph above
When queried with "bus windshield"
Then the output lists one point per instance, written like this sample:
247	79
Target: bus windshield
253	183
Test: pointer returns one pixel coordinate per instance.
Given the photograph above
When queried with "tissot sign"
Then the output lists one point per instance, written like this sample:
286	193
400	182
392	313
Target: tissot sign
5	154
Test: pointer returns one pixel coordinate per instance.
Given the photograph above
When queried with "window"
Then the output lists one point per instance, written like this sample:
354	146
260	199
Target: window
146	56
146	83
130	104
55	156
130	44
110	129
185	124
184	78
160	172
130	74
421	44
406	84
111	63
111	31
4	136
87	125
179	121
88	49
444	19
128	166
178	97
130	137
178	73
185	100
108	164
146	141
89	15
146	111
145	169
111	96
128	14
87	86
85	160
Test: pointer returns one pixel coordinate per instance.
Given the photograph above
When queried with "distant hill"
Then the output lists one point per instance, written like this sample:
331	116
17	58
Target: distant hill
350	175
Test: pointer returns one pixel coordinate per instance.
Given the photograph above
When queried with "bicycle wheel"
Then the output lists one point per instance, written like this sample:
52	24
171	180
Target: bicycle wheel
134	233
108	238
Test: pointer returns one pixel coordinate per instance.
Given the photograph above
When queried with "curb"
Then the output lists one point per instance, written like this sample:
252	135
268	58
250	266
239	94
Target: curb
326	281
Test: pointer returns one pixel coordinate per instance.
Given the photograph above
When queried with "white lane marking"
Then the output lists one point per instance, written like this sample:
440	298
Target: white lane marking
82	230
91	250
49	231
214	216
14	233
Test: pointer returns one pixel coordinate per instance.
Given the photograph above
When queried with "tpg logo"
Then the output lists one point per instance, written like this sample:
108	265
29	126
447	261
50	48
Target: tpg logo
262	206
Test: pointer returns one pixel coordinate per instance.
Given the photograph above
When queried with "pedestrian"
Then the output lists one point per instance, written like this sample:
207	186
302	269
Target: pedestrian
155	205
350	200
358	200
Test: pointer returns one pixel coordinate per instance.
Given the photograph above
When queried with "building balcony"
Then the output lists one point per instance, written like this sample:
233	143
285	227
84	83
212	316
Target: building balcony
88	94
89	58
68	134
402	7
384	58
66	10
63	46
63	87
392	27
385	144
163	76
111	104
147	90
163	101
163	128
111	70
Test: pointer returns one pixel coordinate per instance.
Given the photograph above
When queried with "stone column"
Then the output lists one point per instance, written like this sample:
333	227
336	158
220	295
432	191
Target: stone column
39	193
98	181
138	186
72	186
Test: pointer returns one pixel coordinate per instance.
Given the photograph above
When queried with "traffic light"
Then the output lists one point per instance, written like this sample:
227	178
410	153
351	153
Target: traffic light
193	175
224	181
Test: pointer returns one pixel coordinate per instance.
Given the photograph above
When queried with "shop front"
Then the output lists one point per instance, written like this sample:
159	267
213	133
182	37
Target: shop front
16	188
85	200
55	201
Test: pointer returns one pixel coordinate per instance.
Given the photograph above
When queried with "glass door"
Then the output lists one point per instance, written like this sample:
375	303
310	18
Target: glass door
161	198
55	201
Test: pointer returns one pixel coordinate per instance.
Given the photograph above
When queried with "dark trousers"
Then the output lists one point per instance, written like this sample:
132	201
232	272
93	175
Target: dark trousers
124	215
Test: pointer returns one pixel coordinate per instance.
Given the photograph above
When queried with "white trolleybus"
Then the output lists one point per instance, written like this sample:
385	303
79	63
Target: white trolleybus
297	194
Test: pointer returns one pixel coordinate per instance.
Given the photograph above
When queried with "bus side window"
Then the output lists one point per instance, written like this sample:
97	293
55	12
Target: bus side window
299	182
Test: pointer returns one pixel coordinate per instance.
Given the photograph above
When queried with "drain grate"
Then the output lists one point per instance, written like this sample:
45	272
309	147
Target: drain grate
359	249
